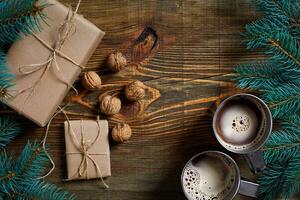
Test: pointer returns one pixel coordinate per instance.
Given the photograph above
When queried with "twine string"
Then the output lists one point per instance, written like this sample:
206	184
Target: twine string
64	32
83	148
44	141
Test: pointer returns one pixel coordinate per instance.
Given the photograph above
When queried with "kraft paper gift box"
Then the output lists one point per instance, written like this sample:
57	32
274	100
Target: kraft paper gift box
40	104
96	162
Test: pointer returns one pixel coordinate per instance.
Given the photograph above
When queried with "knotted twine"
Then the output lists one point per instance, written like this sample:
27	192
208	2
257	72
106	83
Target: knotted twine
83	146
64	32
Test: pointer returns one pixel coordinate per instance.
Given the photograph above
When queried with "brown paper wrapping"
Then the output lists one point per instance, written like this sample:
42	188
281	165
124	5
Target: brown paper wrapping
101	146
49	93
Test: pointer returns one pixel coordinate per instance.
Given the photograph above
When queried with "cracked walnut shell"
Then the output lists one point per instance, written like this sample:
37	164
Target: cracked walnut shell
91	80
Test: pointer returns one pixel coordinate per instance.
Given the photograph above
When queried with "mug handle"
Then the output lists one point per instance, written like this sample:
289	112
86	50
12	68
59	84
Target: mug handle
248	188
255	161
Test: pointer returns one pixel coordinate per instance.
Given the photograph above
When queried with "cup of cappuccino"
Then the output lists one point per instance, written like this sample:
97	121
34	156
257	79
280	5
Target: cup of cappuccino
213	175
242	123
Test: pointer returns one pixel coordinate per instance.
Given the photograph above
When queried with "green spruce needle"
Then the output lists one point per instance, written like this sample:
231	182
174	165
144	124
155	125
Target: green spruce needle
277	78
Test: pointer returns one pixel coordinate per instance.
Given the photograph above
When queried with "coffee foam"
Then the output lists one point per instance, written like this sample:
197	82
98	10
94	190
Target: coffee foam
211	177
241	124
238	124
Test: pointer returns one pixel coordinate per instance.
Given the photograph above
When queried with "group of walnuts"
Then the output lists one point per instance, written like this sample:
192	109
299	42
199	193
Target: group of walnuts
109	104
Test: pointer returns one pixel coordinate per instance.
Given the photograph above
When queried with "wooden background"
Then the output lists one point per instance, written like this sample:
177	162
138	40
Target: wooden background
184	51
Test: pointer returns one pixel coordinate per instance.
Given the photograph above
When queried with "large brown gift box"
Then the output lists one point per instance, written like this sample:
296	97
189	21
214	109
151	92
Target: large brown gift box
96	161
40	105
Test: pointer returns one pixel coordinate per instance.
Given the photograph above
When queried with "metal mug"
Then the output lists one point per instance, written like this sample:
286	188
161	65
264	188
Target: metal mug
242	123
213	175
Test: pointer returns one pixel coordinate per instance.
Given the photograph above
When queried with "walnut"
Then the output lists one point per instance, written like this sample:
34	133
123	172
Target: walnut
91	80
121	132
110	105
135	91
116	61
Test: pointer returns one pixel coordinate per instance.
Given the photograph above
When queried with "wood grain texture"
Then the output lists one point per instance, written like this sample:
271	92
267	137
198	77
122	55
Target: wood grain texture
184	51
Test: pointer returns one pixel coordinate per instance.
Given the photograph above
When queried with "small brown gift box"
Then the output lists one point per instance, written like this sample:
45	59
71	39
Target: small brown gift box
40	105
81	136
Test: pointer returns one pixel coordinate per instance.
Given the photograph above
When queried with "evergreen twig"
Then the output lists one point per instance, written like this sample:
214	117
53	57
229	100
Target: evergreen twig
9	129
19	16
18	179
277	35
6	78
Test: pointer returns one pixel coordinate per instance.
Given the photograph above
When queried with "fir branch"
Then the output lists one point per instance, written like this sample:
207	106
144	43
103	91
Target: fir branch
7	184
9	129
271	181
283	100
287	10
263	76
281	146
277	35
42	190
280	15
292	175
283	47
6	78
278	43
259	32
18	179
31	163
292	123
285	50
19	16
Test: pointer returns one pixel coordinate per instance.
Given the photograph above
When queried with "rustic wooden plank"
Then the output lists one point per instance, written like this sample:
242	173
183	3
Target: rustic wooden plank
189	68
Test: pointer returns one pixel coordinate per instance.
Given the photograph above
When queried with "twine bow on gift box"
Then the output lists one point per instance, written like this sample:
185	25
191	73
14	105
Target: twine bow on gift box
83	146
64	32
67	28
